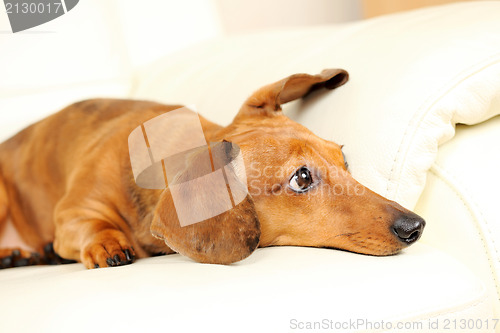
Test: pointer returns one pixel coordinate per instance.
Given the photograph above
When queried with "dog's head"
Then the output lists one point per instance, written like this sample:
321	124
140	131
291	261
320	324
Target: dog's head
299	186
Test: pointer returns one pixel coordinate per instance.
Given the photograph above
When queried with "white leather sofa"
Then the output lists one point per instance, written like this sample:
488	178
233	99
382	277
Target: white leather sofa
413	77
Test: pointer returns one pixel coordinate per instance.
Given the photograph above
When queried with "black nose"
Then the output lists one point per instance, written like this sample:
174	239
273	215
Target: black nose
408	228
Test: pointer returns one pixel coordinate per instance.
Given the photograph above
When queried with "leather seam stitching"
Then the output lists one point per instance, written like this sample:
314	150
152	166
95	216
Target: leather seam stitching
449	180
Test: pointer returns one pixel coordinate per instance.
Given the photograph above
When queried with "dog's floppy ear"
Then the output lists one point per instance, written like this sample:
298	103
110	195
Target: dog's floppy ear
268	99
206	212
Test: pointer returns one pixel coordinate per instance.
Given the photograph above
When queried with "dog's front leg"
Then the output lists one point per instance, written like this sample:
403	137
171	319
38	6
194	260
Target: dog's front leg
96	242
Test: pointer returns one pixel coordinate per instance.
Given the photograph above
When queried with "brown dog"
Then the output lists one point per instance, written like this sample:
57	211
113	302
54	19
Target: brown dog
68	180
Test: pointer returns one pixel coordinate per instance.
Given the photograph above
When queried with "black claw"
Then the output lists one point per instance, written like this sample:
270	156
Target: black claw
35	258
128	255
21	262
96	266
110	262
117	259
6	262
51	261
15	260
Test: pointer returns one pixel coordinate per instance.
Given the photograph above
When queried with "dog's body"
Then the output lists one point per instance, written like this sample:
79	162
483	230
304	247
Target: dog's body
80	145
67	179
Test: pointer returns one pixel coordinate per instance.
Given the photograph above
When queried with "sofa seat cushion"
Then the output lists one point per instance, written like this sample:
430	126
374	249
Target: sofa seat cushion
274	290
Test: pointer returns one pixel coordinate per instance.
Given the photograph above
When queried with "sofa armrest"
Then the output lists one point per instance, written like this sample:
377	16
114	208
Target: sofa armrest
460	200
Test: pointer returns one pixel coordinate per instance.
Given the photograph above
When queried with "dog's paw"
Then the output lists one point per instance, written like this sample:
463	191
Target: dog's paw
109	248
18	258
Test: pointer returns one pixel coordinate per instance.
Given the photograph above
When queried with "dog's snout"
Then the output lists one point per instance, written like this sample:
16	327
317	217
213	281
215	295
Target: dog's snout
408	228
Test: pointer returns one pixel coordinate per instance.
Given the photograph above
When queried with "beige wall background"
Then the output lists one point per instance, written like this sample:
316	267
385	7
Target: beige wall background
238	16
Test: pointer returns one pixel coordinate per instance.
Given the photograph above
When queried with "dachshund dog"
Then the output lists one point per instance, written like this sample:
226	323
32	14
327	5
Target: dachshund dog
67	186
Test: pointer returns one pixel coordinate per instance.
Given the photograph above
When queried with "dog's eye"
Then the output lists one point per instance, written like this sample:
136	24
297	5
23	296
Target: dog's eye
302	180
